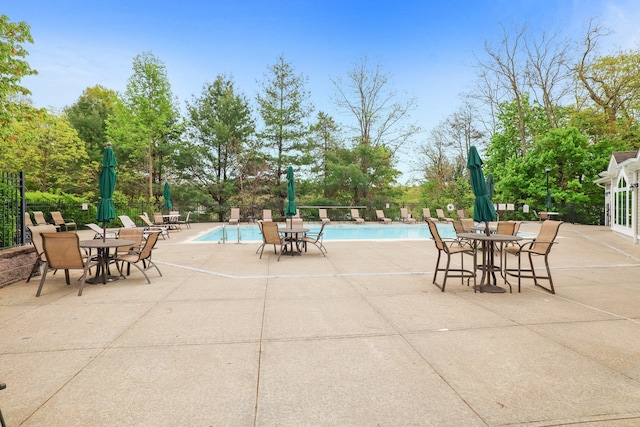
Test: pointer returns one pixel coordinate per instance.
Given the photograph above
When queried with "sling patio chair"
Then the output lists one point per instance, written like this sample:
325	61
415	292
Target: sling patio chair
380	217
135	256
185	221
163	229
39	217
62	252
27	219
324	218
461	214
355	216
451	247
61	222
266	215
36	239
315	239
271	236
468	224
442	217
426	215
111	234
404	216
540	247
234	219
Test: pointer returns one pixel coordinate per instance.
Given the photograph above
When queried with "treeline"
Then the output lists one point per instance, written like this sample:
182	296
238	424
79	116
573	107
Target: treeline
538	102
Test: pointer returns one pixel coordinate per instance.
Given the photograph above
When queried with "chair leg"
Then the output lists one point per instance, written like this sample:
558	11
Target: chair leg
2	387
35	268
44	276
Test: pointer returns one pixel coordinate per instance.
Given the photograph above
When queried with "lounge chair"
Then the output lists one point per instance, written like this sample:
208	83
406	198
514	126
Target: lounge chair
271	236
324	218
426	215
404	216
39	217
133	257
442	217
100	231
61	222
355	216
234	219
36	239
62	252
186	222
461	214
296	220
27	219
266	215
380	216
154	227
451	247
540	246
315	239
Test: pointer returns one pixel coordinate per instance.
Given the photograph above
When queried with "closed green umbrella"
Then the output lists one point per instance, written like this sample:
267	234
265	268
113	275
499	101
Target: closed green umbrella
483	210
107	182
167	196
290	209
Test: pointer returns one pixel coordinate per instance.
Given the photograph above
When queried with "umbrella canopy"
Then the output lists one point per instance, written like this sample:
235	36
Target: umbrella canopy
490	186
483	210
167	196
107	182
290	209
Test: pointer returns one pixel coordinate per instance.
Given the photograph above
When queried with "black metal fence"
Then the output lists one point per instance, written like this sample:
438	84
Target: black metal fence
12	228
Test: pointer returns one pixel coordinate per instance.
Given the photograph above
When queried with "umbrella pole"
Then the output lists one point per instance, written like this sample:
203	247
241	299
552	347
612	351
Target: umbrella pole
104	231
486	228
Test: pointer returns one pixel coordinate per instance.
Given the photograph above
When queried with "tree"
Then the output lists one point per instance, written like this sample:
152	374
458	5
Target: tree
89	114
284	108
217	127
143	121
13	65
48	149
381	123
323	140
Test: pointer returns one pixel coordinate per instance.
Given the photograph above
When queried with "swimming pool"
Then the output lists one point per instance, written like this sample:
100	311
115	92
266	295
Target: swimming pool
335	232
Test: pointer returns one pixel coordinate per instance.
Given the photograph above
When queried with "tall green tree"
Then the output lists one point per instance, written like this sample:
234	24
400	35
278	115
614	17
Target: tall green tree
324	139
89	114
144	121
13	65
218	126
284	107
49	150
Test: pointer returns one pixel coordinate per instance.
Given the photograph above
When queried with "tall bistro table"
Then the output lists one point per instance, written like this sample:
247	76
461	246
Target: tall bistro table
293	235
488	265
104	247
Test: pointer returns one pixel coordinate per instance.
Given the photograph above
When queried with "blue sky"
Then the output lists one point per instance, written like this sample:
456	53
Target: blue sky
427	46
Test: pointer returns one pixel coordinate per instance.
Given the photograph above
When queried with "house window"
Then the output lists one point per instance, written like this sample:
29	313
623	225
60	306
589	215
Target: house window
622	203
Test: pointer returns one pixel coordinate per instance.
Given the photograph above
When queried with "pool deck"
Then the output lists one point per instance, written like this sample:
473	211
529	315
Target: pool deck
359	338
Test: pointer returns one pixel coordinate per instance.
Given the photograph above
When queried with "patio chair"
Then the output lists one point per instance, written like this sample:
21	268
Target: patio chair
36	239
235	216
173	220
27	219
266	215
100	231
163	229
451	247
142	255
541	247
61	222
468	224
461	214
380	216
404	216
185	221
442	217
62	252
426	215
271	236
38	216
2	387
355	216
315	239
324	218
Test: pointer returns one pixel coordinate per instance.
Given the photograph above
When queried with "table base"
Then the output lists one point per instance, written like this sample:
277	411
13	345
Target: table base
490	289
98	280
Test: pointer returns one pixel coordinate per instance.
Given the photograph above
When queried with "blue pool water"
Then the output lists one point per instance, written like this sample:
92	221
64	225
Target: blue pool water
336	232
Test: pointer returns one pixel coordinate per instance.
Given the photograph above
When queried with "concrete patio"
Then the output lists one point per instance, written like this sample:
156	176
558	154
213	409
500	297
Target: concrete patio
359	338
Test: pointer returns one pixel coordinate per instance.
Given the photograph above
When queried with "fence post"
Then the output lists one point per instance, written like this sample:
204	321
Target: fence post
23	209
